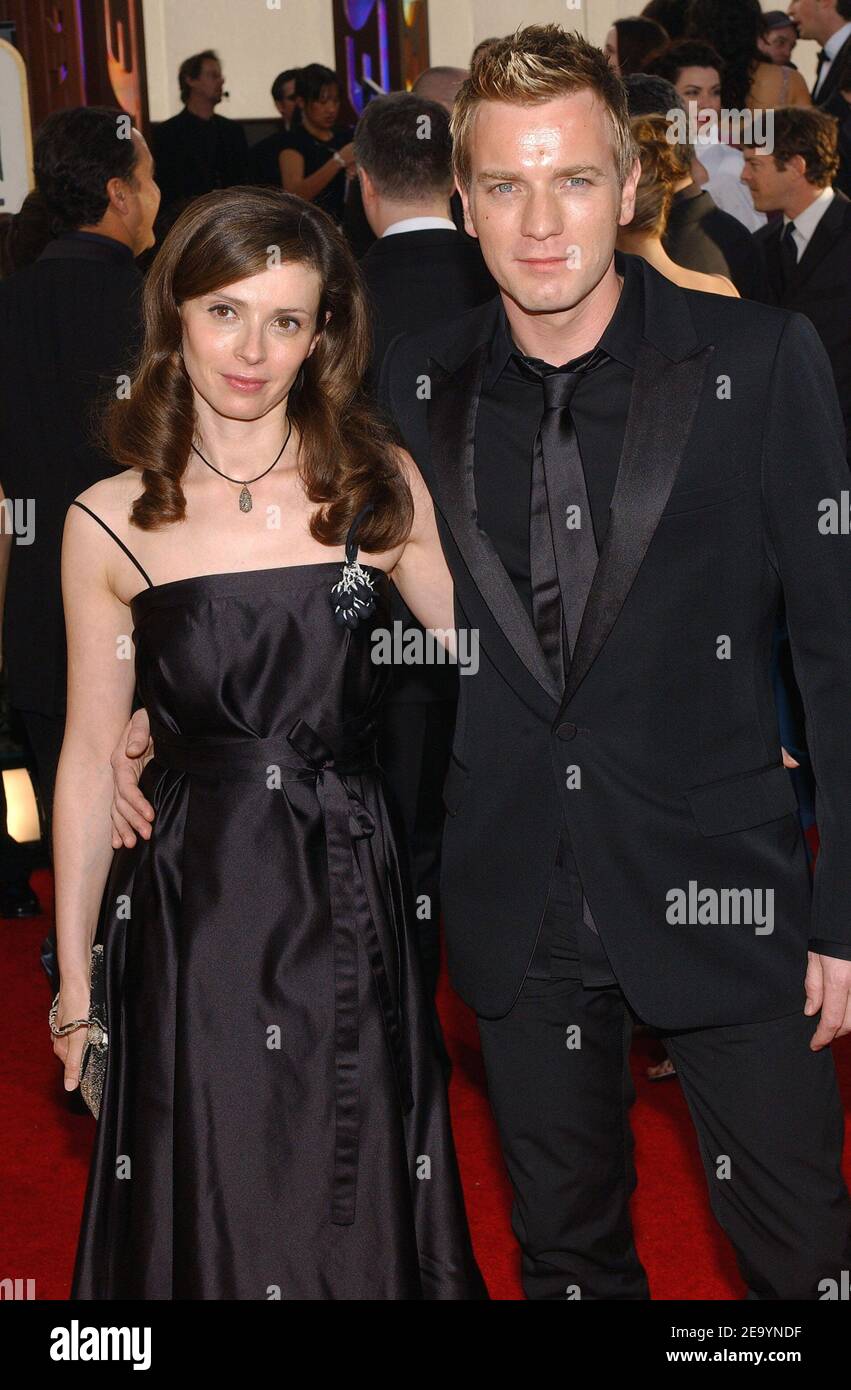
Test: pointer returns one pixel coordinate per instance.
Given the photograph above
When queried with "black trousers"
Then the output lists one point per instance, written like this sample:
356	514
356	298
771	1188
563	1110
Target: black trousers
45	733
766	1109
415	739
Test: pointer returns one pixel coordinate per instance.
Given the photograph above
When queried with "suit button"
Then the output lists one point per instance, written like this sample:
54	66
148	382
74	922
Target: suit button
566	731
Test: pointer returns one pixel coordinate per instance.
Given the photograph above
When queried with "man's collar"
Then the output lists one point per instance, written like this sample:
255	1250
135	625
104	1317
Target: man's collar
837	41
419	224
87	246
620	338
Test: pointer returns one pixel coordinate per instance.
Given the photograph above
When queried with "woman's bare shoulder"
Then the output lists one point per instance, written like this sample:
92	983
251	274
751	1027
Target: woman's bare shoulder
112	497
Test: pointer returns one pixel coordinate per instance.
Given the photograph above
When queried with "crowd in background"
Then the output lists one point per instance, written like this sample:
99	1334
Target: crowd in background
726	214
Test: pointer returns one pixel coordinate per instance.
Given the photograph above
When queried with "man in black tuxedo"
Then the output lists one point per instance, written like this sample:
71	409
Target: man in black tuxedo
419	271
626	489
829	23
69	325
622	530
807	252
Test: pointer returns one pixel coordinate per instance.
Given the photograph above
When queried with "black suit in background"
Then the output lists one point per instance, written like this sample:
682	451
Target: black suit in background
830	99
820	287
713	523
193	156
69	326
420	278
416	279
702	236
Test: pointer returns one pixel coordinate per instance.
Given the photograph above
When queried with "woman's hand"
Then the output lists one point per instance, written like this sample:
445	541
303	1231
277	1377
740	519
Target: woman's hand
130	812
347	154
74	1004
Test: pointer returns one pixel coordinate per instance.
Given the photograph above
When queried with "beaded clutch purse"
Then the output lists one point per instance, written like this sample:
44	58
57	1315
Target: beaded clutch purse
93	1062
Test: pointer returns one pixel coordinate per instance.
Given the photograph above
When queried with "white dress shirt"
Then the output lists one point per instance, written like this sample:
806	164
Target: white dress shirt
418	224
807	221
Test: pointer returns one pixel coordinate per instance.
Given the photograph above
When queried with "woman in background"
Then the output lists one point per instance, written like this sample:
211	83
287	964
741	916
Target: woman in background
665	167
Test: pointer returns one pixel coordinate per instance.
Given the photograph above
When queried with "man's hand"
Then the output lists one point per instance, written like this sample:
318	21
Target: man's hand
828	987
130	811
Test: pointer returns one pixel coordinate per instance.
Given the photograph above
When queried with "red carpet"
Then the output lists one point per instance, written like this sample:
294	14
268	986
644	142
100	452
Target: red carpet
45	1151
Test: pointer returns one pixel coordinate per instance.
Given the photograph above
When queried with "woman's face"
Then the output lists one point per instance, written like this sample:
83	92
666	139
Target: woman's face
610	48
324	110
243	344
703	86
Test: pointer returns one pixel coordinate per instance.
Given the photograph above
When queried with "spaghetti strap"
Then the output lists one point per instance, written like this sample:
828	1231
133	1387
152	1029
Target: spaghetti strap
117	540
351	538
784	88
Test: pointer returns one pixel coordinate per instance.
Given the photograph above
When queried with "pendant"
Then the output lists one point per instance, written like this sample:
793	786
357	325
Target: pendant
245	502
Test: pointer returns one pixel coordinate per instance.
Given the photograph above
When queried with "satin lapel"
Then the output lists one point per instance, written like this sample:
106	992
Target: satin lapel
662	408
452	412
819	244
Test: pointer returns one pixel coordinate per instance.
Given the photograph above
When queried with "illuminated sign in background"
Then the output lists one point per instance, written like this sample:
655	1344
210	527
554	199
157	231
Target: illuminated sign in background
378	44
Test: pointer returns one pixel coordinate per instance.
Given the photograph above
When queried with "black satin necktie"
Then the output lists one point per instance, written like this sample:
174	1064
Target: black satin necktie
562	548
821	59
788	254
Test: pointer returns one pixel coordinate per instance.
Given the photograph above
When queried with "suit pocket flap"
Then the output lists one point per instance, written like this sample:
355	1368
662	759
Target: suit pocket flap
454	786
754	799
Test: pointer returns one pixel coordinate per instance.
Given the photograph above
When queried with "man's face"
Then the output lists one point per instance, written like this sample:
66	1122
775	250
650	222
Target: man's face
286	105
770	187
143	198
544	199
210	83
807	16
777	44
703	86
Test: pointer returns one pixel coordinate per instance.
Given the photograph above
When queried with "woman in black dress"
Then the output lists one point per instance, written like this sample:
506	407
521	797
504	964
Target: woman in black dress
319	156
274	1120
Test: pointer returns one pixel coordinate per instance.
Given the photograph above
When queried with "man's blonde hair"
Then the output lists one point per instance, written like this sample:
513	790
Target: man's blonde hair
538	63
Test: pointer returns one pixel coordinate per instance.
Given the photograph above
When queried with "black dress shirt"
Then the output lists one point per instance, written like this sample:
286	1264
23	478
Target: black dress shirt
193	156
509	415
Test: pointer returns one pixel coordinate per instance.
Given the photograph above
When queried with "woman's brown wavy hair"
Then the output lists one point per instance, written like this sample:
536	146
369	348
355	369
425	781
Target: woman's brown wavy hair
346	456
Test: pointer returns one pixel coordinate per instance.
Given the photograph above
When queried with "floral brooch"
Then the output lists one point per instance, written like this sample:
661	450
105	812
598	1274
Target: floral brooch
353	596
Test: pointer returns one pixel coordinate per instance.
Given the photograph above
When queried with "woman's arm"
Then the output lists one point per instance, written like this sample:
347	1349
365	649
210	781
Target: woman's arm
101	679
421	573
292	173
799	92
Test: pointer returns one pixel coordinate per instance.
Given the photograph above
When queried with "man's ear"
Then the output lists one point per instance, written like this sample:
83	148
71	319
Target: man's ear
627	210
117	191
469	228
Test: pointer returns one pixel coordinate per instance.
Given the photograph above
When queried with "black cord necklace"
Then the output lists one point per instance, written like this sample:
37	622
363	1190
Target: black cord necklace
245	499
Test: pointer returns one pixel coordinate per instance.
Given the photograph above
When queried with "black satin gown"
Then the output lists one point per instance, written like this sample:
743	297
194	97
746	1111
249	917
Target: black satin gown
274	1122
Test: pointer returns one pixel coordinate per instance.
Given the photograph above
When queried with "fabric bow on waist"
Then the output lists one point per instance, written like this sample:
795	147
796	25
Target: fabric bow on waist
356	907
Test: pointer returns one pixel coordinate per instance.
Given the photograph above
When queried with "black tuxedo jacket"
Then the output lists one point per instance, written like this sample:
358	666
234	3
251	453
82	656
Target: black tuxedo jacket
831	100
820	287
69	325
838	76
733	439
415	280
420	278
